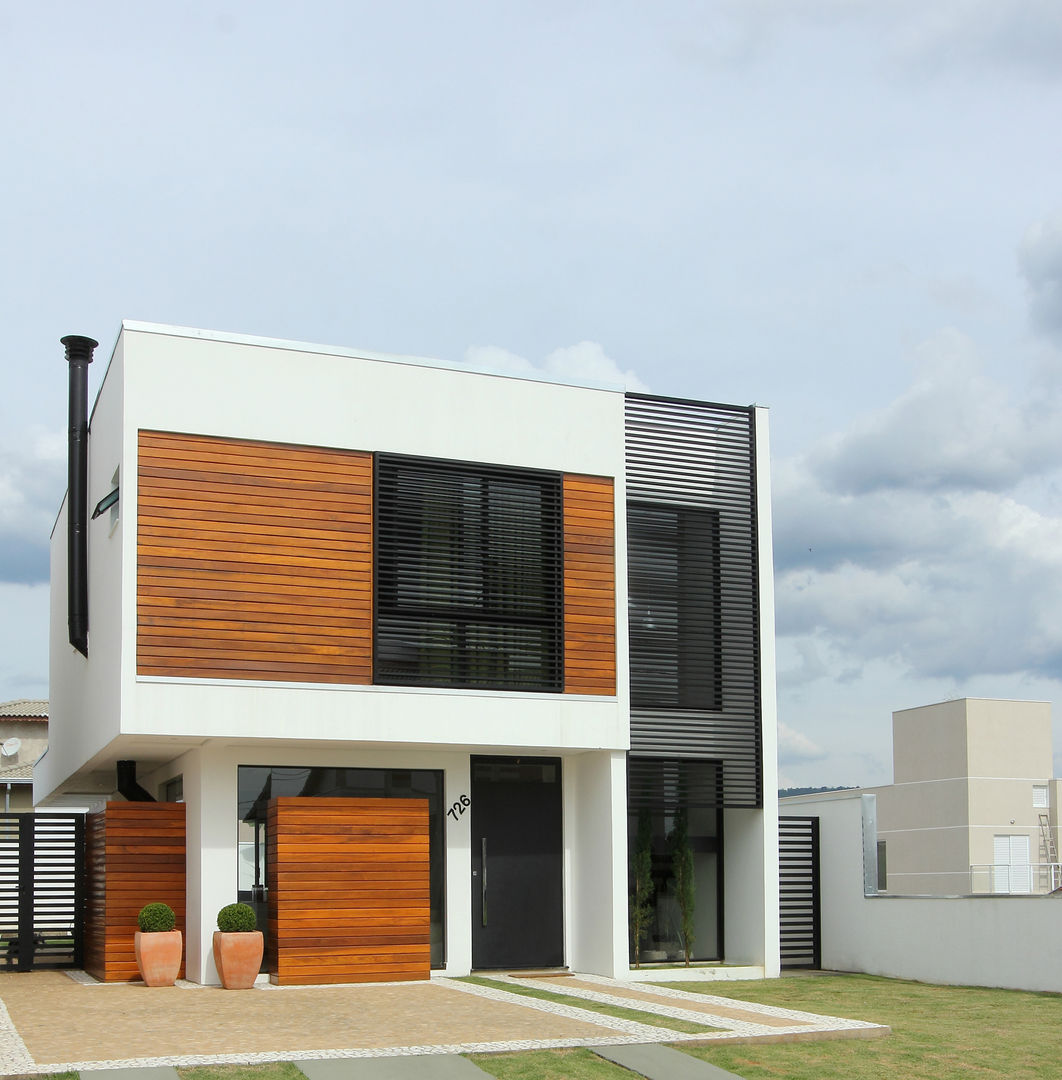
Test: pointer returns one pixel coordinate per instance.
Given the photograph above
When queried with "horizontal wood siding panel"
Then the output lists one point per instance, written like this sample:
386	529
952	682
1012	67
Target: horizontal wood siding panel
134	855
254	560
589	585
349	895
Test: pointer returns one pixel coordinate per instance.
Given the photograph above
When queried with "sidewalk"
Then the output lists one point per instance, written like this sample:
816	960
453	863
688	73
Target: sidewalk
51	1023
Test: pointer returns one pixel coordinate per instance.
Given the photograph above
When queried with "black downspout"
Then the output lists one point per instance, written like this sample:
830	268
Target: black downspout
79	356
128	786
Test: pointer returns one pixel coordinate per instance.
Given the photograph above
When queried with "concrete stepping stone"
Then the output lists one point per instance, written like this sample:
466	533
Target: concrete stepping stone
407	1067
656	1062
141	1072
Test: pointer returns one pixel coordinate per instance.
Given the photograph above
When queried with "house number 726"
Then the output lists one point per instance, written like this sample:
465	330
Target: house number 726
459	807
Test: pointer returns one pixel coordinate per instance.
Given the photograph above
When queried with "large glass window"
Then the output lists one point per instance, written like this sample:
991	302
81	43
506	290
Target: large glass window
260	783
663	942
468	575
674	604
673	804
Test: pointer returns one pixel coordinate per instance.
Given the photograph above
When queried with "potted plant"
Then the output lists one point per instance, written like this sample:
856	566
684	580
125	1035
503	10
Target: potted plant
237	947
158	945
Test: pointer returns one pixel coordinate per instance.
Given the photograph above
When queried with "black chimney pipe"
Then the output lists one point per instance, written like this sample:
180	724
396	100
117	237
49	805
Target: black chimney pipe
79	356
128	786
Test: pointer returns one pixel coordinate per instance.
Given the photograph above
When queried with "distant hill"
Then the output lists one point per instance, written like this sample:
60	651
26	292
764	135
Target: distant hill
786	791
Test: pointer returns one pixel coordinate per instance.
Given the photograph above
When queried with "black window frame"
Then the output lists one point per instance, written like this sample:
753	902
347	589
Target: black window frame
480	604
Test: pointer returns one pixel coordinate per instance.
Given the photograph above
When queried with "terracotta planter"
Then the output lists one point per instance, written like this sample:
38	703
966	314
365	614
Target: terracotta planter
238	958
158	956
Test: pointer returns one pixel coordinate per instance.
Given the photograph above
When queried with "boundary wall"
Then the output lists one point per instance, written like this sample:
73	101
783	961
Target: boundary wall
1003	941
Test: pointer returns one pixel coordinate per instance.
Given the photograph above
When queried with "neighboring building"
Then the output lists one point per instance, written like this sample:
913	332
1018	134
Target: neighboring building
23	738
973	807
544	609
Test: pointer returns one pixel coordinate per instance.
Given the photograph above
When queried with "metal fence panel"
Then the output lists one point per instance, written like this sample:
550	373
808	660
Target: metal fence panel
41	890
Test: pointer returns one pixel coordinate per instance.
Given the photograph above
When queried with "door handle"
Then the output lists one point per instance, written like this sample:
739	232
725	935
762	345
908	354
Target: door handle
483	878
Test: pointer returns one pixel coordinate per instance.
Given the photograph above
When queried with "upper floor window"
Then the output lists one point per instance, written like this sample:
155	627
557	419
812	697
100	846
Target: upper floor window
1040	801
468	575
674	604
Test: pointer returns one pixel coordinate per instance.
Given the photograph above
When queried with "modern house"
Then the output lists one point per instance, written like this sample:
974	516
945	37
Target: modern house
404	651
23	738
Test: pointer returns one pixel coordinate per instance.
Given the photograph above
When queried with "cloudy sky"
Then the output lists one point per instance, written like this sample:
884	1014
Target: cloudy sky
848	211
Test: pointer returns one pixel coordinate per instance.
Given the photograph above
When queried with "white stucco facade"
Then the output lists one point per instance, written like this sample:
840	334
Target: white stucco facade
203	730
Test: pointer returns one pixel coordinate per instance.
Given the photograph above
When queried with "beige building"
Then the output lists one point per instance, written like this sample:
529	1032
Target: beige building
23	738
973	807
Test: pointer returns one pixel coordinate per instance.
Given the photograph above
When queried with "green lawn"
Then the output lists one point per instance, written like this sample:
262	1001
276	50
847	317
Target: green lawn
939	1033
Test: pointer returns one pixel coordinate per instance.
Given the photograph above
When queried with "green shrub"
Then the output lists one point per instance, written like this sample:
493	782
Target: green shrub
237	919
156	918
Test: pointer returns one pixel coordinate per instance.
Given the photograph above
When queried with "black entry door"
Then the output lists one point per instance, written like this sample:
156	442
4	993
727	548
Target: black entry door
517	868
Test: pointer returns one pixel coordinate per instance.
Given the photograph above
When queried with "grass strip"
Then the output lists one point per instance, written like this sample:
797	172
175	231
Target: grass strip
938	1032
273	1070
619	1011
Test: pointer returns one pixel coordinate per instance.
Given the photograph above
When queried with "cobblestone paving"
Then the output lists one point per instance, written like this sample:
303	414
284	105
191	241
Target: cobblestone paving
51	1022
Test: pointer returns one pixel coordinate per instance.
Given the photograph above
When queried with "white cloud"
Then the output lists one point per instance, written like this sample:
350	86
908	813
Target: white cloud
23	641
585	362
31	485
953	429
929	535
1040	260
794	746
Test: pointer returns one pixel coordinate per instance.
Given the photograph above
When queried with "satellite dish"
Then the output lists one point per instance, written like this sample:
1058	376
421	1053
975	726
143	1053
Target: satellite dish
10	747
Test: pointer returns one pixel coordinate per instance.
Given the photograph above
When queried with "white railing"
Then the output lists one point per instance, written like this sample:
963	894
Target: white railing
1015	879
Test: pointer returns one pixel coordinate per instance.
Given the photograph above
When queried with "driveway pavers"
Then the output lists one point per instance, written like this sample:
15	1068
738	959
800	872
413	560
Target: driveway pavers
49	1022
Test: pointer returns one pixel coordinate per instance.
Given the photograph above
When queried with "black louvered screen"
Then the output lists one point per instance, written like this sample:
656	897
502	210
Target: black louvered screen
693	588
798	888
42	890
469	589
668	785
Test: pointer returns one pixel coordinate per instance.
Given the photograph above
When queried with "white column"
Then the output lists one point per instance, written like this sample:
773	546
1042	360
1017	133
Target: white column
595	842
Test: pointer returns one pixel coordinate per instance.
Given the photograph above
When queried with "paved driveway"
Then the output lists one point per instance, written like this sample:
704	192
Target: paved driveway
50	1022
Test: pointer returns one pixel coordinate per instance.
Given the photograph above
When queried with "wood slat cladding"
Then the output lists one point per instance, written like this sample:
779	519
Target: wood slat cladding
135	855
589	585
349	896
254	560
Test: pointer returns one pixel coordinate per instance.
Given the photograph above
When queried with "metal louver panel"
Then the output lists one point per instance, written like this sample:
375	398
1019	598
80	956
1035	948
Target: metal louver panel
41	890
693	588
798	885
468	575
667	785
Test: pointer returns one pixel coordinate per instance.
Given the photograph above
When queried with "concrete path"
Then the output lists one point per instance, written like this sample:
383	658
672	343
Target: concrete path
423	1067
656	1062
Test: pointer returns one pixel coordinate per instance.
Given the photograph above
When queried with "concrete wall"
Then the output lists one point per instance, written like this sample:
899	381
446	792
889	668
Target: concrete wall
1006	941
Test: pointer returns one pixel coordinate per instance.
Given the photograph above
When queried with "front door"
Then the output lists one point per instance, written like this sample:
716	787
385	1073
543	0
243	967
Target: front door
517	867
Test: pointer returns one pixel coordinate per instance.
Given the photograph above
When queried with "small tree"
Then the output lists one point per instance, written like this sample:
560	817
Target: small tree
682	878
641	908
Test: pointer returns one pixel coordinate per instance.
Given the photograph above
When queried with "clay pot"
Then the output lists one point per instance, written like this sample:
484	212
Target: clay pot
158	955
238	958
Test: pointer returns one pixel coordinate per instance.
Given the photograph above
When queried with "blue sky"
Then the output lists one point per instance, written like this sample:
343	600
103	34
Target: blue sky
848	211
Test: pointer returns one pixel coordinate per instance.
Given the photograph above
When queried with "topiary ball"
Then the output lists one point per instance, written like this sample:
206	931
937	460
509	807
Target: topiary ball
156	919
237	919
